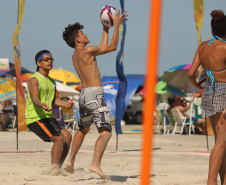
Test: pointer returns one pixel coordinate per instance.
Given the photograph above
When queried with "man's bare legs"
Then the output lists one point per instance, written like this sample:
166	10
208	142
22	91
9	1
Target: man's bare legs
76	144
217	158
99	149
202	122
56	153
66	147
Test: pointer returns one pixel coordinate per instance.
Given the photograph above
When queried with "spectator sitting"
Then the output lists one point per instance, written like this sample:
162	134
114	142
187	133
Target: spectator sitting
182	106
171	102
5	116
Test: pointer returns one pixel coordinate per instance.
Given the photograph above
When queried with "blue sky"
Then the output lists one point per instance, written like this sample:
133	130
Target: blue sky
44	22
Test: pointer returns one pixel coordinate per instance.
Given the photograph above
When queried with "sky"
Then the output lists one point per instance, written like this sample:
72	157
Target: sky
44	22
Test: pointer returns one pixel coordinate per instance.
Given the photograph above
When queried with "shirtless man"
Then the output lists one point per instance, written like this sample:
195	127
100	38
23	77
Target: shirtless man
92	103
182	106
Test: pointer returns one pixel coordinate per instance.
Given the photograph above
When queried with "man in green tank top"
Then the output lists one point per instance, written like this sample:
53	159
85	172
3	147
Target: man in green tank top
38	114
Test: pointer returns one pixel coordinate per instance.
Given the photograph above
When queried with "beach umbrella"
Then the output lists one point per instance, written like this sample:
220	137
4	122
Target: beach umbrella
7	90
64	90
25	77
177	77
162	88
64	76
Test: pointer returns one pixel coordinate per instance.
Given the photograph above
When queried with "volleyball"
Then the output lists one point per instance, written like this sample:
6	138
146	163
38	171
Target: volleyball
105	15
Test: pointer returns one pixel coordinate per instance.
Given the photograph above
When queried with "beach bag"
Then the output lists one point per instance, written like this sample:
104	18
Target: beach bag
202	79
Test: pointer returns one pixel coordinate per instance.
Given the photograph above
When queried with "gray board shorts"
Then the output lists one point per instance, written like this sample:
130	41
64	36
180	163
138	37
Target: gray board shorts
93	108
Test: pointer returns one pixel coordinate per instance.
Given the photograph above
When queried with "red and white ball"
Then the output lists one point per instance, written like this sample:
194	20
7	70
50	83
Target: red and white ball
105	15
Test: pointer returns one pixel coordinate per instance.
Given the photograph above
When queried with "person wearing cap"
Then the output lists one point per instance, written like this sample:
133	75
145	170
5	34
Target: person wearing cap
38	114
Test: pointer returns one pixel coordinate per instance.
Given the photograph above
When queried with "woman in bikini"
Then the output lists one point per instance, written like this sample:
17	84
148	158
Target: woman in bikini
212	56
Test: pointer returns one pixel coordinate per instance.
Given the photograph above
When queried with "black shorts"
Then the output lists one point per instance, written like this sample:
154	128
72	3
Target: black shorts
45	128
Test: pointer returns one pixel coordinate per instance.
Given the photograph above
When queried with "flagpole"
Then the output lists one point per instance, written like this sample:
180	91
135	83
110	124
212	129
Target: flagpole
17	94
116	142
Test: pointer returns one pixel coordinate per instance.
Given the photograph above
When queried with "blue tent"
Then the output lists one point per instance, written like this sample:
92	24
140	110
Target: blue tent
111	84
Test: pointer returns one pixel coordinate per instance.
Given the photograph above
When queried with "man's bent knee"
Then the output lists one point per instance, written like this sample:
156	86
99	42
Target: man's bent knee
85	130
105	132
67	135
58	137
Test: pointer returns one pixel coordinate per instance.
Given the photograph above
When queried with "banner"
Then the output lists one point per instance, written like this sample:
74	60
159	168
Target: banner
120	98
198	13
4	64
111	85
21	103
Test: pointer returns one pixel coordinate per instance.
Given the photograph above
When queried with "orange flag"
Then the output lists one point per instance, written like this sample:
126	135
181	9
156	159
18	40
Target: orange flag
21	103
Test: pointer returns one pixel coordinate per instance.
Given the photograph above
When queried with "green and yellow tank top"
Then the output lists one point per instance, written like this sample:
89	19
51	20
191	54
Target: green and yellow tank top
47	87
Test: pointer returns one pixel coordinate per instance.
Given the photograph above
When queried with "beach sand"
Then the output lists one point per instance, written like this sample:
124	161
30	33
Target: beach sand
170	165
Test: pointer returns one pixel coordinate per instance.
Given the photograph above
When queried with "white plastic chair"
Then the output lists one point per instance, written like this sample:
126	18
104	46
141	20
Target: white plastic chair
73	120
181	121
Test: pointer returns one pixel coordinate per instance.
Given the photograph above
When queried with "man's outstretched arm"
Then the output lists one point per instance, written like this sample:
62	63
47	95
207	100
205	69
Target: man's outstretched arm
104	40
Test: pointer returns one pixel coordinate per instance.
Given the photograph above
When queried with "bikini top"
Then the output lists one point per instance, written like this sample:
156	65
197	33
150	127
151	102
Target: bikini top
208	72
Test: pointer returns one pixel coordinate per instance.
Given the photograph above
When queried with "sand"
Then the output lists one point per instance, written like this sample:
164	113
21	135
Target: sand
177	159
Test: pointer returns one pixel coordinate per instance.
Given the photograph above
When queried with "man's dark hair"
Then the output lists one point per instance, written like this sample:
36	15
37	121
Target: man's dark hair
39	54
170	101
218	23
71	32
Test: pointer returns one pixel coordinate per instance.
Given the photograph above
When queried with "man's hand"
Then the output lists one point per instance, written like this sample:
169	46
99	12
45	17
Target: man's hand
46	107
119	19
105	27
70	103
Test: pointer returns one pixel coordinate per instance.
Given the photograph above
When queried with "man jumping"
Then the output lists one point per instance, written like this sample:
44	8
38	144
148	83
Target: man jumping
38	114
92	103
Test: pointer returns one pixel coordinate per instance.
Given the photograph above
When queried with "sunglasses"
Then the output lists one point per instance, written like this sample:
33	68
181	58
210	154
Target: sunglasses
47	59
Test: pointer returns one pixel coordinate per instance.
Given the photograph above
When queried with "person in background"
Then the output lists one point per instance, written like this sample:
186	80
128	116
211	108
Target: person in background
200	125
5	116
127	117
171	102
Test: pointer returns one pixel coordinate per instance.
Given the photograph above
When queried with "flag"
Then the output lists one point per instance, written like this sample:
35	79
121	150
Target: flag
21	103
198	13
121	94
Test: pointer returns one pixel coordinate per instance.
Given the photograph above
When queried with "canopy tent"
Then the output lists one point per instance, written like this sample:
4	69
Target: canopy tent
111	84
12	70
